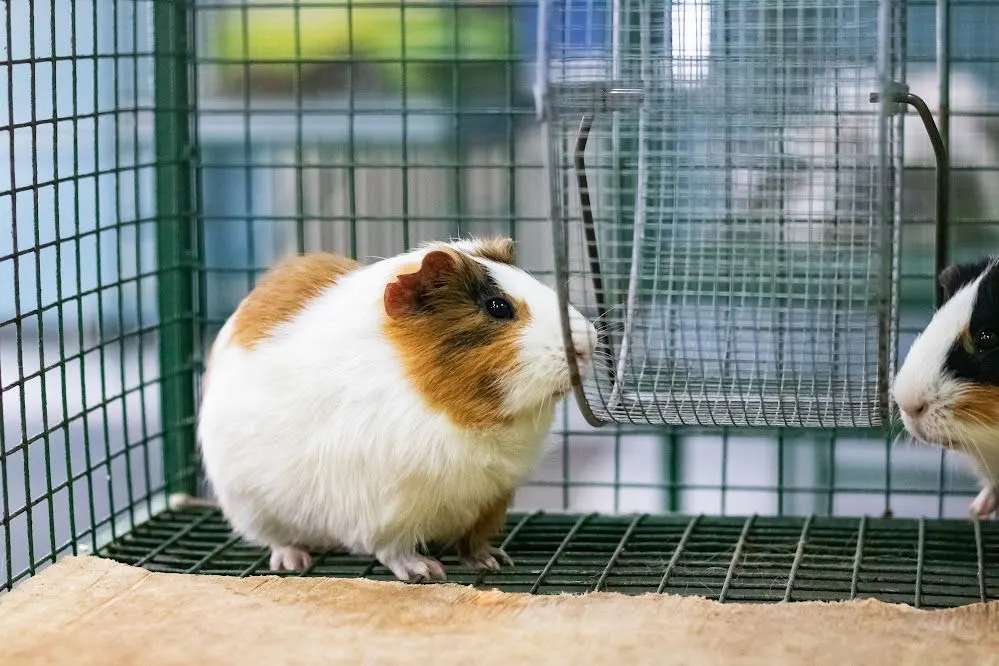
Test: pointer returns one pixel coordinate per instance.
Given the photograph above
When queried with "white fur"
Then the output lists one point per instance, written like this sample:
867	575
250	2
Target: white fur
316	439
921	377
923	381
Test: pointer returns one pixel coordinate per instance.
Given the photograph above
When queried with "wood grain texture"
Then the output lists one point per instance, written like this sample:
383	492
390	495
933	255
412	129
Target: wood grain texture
86	611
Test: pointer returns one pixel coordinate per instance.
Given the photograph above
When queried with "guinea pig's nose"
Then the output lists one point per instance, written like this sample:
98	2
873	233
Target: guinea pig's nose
582	351
914	408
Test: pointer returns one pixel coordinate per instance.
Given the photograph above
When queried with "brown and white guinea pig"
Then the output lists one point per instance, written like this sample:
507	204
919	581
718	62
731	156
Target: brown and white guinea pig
380	408
947	389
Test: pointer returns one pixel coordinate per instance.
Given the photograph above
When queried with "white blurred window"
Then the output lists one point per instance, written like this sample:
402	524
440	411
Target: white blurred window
691	40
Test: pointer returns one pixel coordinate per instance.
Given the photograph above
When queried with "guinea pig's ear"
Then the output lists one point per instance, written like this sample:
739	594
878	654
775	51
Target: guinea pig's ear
948	279
404	294
500	249
956	276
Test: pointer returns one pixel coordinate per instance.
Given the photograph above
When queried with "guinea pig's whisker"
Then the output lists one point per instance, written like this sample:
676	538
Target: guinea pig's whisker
607	312
603	367
972	444
983	460
550	392
966	441
977	451
988	468
900	437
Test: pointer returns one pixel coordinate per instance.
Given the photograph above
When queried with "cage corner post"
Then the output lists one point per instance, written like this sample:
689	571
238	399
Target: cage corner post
176	240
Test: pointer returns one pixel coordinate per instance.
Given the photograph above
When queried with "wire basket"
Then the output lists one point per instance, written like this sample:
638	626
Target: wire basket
677	134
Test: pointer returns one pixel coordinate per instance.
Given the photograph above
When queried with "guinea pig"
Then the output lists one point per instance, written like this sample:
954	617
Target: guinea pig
947	389
381	408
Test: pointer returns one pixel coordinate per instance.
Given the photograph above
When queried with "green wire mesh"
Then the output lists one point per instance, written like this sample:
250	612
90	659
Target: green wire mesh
80	438
926	564
147	177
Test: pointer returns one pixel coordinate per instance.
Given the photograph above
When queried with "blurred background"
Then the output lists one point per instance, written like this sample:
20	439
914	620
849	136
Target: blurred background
366	128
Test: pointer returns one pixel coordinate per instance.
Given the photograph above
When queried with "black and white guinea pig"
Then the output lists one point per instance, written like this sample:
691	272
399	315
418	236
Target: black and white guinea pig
380	408
947	389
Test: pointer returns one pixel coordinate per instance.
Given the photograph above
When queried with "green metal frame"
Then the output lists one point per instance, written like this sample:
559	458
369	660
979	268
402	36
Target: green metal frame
176	240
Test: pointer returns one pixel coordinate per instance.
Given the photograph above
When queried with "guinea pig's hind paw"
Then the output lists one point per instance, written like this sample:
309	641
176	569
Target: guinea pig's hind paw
414	566
986	503
290	558
488	558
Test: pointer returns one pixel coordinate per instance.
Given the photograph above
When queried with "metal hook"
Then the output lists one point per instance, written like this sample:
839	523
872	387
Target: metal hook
941	251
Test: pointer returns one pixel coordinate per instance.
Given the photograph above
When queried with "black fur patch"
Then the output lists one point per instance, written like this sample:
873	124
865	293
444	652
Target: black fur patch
459	306
956	276
454	295
965	361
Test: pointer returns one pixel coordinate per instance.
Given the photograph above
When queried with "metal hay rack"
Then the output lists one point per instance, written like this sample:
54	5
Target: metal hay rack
725	203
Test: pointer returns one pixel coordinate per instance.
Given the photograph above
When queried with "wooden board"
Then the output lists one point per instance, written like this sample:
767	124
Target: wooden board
87	610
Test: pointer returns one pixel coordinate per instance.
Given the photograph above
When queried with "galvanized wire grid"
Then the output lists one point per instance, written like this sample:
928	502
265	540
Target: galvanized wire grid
927	564
87	457
81	440
743	212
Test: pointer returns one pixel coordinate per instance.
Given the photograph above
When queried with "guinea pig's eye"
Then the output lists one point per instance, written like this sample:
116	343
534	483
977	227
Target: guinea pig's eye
986	339
499	308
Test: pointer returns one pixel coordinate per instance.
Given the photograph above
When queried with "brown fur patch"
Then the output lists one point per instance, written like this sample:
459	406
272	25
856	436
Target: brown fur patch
964	339
499	249
284	291
978	404
486	527
454	353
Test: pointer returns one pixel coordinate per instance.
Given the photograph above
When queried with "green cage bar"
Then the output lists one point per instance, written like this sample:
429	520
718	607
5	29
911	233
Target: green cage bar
176	240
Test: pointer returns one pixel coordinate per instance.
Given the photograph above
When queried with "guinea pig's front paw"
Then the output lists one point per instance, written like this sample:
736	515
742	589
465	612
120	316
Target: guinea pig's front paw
290	558
413	566
487	557
986	503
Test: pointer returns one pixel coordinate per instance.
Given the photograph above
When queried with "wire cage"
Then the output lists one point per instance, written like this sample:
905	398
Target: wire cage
725	202
160	154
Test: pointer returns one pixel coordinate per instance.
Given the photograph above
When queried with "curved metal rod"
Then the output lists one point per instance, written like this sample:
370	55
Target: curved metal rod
562	274
590	232
586	209
941	251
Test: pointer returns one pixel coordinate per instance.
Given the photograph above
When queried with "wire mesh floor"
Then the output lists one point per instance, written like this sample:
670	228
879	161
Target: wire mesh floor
924	563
